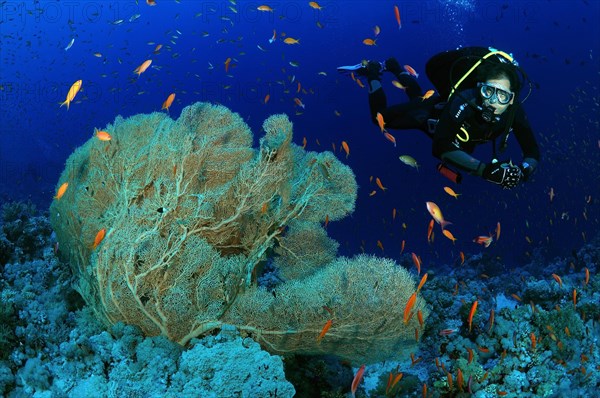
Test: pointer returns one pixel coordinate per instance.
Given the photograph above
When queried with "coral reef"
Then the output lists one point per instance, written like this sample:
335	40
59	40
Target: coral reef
57	346
532	336
167	225
52	345
24	234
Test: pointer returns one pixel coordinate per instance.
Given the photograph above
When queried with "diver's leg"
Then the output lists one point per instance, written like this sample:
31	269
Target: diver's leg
411	87
412	115
377	98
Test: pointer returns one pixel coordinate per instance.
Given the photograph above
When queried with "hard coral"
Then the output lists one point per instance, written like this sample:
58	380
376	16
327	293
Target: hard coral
24	234
191	209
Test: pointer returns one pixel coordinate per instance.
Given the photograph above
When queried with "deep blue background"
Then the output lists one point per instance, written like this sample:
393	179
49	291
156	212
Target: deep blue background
556	42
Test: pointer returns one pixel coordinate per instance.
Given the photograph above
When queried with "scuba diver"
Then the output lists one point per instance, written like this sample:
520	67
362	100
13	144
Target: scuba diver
478	102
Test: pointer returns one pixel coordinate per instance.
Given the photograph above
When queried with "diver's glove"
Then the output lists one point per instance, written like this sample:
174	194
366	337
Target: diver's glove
392	65
503	173
528	167
371	70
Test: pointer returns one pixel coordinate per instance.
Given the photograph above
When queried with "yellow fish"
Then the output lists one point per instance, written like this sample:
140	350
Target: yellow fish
397	84
291	40
264	8
409	161
437	215
72	93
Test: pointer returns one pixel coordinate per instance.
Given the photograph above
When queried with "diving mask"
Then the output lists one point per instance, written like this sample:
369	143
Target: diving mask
494	93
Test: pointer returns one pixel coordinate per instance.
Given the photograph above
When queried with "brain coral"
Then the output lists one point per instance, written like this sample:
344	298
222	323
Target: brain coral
191	211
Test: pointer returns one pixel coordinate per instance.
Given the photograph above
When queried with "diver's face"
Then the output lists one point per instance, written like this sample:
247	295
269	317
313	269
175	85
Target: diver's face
502	84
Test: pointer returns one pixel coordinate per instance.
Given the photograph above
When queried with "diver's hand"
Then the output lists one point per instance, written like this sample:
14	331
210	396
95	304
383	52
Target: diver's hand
503	173
393	66
528	167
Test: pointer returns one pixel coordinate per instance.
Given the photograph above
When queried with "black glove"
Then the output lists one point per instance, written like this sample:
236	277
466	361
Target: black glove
504	173
393	66
528	167
371	70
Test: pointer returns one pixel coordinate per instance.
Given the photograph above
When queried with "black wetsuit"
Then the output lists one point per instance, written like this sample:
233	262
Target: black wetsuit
408	115
447	143
449	138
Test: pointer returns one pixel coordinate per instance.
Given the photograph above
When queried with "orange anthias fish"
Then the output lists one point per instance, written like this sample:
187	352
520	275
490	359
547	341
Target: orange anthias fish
557	279
409	306
498	231
390	138
226	63
264	8
379	184
411	70
472	314
436	213
587	276
167	104
486	241
99	237
356	381
428	94
429	230
423	280
267	97
314	5
142	68
380	121
447	332
324	330
449	235
61	191
274	37
417	262
369	42
103	135
346	148
299	103
451	192
397	14
75	87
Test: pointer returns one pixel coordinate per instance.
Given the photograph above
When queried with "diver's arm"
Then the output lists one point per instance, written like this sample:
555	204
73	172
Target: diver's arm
446	145
464	161
527	142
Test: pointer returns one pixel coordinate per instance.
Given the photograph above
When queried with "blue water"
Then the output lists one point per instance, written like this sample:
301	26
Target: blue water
556	42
